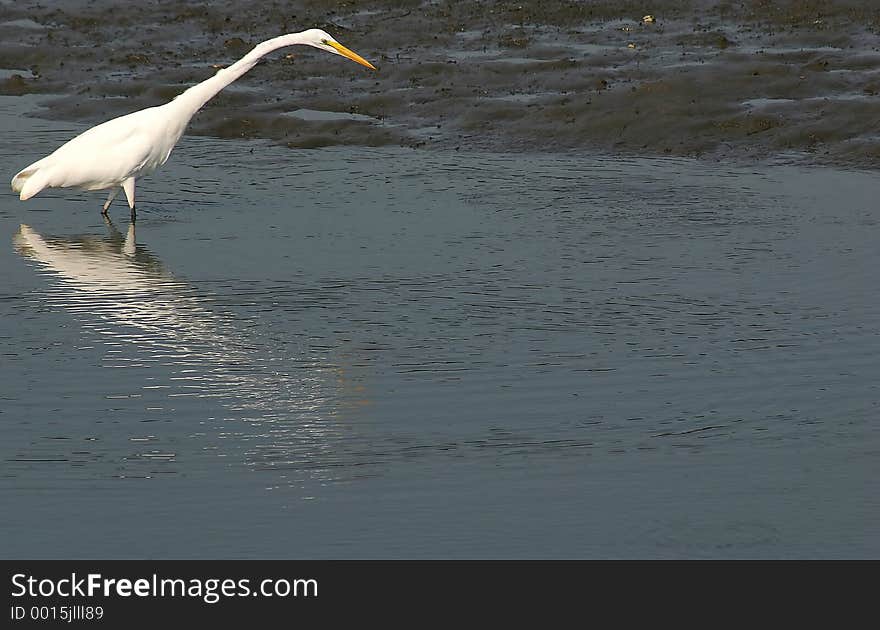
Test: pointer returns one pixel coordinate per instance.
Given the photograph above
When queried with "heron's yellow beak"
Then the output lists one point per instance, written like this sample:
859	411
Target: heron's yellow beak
345	52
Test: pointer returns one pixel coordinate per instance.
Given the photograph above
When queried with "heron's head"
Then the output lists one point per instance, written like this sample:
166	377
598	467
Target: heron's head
323	40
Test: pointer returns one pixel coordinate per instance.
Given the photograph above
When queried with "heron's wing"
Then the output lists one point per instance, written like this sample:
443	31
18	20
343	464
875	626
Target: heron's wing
104	155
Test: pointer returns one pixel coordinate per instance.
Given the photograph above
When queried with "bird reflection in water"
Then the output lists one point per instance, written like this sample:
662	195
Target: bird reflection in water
286	407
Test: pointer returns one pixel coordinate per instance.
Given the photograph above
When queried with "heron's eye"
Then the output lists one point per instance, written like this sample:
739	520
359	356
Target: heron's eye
324	41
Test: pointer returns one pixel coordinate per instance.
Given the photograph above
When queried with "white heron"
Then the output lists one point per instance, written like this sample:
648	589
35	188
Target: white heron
112	155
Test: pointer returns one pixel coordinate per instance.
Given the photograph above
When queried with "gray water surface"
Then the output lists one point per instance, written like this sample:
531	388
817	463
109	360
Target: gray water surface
356	352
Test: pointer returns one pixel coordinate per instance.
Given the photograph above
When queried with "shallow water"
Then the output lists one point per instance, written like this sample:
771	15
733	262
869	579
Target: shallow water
397	353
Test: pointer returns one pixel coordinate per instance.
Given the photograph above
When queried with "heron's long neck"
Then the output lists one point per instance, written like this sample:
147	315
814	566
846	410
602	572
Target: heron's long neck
192	100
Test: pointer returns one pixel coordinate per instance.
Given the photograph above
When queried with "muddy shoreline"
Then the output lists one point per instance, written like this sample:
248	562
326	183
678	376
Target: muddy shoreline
722	80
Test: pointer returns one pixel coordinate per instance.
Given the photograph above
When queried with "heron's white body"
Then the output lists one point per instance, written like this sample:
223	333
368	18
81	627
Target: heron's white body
106	156
114	154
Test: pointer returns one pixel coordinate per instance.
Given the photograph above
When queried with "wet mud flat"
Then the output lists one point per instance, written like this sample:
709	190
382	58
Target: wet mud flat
726	80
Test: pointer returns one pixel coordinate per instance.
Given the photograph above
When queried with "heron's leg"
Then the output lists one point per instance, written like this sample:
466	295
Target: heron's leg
110	227
110	197
128	187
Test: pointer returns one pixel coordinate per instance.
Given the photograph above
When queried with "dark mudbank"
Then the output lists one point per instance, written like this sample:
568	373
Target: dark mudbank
705	78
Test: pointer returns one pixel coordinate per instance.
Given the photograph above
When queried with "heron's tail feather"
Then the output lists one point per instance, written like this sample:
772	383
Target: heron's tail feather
21	178
29	182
